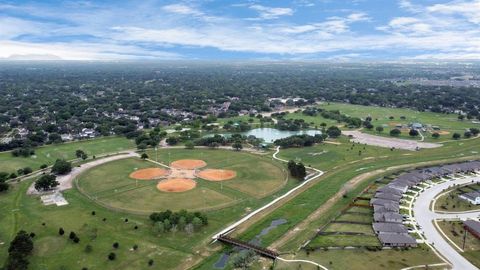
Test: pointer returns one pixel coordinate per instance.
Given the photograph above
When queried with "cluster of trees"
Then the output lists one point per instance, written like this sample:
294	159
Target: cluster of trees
334	132
61	167
353	122
299	140
297	170
46	182
19	250
211	141
152	138
3	181
81	154
291	124
182	220
23	152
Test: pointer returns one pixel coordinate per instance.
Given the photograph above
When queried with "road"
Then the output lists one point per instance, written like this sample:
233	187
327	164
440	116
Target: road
425	217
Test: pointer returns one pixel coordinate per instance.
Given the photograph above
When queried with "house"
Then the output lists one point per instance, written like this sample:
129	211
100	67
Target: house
389	217
416	126
397	240
87	133
66	137
391	228
472	227
472	197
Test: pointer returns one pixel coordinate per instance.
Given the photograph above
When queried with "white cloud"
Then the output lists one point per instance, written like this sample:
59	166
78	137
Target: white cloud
471	10
268	13
182	9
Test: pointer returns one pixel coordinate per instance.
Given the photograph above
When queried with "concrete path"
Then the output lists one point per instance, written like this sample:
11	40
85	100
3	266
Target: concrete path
66	180
425	217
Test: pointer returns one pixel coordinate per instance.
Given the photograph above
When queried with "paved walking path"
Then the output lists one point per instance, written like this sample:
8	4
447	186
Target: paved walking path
66	180
425	217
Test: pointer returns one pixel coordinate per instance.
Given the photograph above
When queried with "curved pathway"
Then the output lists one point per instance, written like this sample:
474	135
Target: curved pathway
249	216
426	218
65	181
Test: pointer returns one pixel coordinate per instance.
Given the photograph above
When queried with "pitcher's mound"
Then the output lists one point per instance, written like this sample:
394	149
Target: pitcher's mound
216	174
176	185
148	174
188	164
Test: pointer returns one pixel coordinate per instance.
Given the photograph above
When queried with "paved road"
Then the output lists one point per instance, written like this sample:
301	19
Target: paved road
425	217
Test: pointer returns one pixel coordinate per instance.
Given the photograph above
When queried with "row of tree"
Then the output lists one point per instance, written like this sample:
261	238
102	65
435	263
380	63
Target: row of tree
182	220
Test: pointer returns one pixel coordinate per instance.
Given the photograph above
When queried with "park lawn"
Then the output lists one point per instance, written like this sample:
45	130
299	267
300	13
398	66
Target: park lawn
381	116
326	156
454	230
49	153
109	184
51	251
452	202
362	259
343	241
257	175
313	121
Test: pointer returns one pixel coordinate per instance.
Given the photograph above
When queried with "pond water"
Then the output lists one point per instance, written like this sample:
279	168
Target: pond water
269	135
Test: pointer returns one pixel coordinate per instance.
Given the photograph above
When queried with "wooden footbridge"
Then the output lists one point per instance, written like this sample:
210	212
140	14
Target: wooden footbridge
259	250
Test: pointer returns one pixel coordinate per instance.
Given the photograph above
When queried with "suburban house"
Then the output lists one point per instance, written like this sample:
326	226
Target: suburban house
472	227
472	197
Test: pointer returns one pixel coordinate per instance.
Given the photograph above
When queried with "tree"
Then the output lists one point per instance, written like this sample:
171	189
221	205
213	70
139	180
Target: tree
413	132
395	132
61	166
435	135
46	182
456	136
379	129
467	134
237	145
159	227
112	256
474	131
167	224
88	248
116	245
197	223
334	132
461	117
61	231
20	247
72	235
79	153
84	156
144	156
172	140
189	145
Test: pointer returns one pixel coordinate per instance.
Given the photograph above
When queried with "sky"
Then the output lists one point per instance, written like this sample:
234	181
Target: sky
223	30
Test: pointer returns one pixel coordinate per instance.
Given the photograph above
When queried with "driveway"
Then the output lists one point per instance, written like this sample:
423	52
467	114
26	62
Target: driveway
425	217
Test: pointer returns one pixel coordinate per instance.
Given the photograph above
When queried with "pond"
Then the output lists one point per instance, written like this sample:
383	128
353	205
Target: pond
269	135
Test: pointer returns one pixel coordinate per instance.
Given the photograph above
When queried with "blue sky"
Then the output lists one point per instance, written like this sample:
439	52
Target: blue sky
269	30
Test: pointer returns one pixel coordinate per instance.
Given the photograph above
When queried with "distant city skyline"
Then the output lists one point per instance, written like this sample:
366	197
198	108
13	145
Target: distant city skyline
347	30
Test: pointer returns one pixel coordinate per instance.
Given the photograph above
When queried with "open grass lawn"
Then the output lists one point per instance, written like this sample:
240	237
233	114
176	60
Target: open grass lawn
452	202
381	116
49	153
257	175
362	259
454	230
110	184
327	156
355	217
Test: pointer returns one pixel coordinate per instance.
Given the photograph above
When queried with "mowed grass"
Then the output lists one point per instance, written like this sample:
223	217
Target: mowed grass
327	156
362	259
454	230
49	153
51	251
452	202
257	175
110	184
381	116
344	241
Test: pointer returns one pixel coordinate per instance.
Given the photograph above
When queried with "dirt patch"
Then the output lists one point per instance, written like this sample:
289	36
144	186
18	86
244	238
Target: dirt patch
216	174
442	132
176	185
148	174
188	164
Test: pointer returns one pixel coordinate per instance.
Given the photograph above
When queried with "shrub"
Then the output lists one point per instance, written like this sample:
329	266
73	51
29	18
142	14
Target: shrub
112	256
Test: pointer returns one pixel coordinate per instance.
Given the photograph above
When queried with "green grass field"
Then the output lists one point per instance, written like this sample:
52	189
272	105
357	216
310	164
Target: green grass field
49	153
451	201
454	230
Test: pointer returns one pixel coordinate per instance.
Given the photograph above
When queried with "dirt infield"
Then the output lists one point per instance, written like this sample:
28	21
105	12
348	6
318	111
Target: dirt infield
188	164
148	174
176	185
216	174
